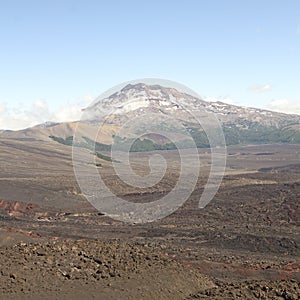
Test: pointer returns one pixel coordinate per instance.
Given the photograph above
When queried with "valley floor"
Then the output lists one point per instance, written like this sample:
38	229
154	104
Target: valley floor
244	244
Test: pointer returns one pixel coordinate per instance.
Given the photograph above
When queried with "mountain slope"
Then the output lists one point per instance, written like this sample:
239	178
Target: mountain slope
138	98
241	125
62	130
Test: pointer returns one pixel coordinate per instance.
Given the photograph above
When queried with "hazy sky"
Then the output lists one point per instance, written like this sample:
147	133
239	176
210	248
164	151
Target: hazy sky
57	56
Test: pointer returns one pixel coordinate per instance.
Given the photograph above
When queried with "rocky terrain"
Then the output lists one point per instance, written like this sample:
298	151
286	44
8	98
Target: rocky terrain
253	290
245	244
135	99
93	269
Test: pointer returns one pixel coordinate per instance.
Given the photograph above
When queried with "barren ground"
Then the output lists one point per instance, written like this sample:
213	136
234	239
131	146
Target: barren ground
244	244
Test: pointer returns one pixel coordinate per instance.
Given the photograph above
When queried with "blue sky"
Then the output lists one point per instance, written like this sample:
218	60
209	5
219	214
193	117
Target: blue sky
57	56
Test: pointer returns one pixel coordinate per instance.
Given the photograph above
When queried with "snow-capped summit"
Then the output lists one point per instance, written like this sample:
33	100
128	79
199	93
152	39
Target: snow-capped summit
136	99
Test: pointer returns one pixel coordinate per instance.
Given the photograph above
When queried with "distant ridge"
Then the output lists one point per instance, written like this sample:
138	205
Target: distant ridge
241	125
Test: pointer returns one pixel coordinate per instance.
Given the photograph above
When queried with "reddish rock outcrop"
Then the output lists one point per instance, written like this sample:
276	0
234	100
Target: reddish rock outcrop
17	208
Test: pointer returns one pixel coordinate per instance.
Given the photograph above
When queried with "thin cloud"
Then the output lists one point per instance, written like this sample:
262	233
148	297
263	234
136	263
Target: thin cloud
261	88
68	113
18	117
285	106
2	108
